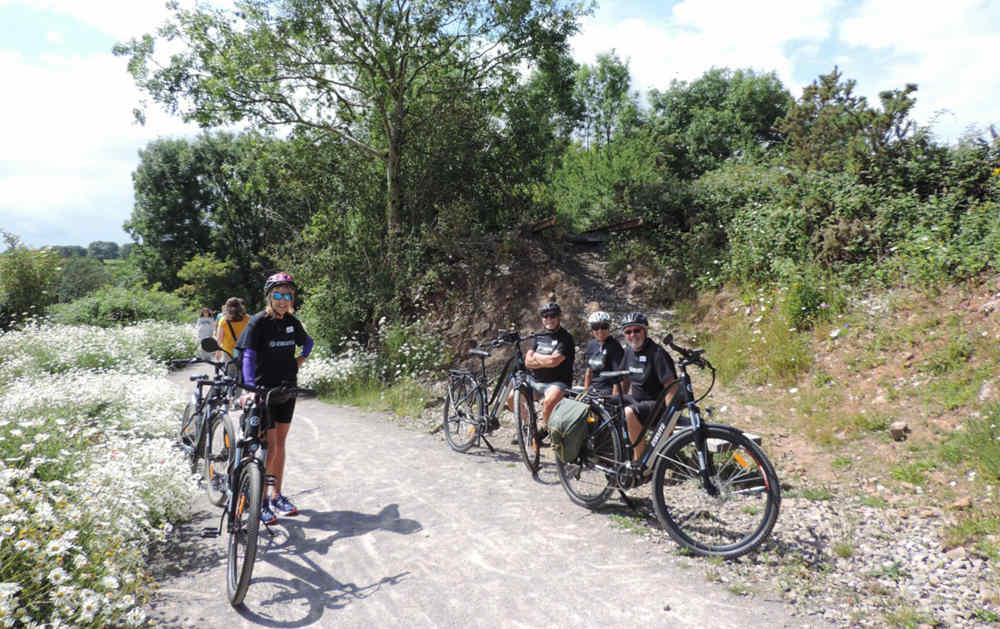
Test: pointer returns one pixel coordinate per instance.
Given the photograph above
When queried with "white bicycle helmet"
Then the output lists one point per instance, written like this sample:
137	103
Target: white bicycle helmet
599	317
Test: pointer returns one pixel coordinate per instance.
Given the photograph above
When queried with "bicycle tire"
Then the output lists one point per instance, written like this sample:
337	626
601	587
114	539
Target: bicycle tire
186	435
744	509
219	450
527	429
463	408
590	478
241	551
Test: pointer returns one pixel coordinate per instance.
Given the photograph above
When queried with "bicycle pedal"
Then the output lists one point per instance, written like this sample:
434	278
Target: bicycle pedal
210	531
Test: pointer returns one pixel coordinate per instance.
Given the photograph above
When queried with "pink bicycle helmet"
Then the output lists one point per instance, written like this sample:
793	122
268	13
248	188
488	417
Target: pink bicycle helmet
279	279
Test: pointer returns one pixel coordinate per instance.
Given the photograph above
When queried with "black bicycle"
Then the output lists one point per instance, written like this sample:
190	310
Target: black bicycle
714	489
469	416
247	482
206	426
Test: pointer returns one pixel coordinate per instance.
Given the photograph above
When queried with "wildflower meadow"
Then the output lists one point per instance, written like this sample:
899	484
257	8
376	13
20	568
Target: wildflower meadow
88	476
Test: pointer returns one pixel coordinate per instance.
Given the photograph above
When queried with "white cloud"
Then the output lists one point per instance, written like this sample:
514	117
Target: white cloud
883	44
69	149
949	54
702	34
122	19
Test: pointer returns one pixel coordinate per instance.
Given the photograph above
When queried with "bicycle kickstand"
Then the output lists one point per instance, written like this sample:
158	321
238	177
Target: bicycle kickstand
488	444
632	504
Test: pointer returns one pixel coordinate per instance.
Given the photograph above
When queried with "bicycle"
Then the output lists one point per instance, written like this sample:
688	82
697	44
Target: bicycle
200	438
247	481
724	494
469	417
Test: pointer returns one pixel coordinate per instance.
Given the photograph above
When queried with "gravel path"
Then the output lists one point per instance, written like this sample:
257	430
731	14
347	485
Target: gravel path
397	530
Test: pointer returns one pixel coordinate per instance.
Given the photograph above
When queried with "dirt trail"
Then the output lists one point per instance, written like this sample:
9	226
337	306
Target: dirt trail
396	530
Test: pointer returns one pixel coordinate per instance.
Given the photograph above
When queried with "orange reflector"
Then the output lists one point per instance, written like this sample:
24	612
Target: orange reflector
741	460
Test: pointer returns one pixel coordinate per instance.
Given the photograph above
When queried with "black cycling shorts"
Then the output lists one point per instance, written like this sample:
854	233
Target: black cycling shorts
541	387
281	412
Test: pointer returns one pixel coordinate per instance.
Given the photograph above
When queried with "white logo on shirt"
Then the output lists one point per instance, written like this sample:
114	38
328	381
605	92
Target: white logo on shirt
290	329
642	359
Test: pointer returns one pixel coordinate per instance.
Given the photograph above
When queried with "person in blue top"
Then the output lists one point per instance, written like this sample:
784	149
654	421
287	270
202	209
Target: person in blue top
267	346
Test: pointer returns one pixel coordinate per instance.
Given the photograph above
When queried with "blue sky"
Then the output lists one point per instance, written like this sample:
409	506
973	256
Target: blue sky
69	143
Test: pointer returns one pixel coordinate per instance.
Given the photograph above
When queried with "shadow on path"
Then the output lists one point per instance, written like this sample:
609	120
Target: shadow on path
308	584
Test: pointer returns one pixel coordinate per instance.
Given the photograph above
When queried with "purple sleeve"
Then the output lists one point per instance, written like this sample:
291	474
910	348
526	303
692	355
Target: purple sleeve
307	347
248	359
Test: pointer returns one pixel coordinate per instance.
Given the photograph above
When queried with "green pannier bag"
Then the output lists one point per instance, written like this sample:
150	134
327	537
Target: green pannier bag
568	428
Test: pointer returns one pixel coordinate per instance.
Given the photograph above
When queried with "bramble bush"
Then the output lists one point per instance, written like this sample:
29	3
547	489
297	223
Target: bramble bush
88	478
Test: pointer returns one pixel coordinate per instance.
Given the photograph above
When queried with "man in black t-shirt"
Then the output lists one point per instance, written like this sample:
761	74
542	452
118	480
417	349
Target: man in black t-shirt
651	369
550	360
603	353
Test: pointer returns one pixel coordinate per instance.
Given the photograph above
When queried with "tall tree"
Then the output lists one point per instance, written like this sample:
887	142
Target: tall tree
603	93
103	250
170	218
348	68
721	114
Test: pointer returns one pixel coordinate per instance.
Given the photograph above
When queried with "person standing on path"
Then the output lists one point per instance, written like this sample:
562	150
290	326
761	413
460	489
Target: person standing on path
267	345
603	353
234	320
205	327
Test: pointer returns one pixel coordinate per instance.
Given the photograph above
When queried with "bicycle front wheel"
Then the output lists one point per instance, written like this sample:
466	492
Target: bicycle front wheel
734	511
217	455
527	428
463	406
187	433
589	479
242	547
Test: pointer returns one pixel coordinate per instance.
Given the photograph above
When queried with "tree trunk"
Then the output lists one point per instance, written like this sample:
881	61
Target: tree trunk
392	171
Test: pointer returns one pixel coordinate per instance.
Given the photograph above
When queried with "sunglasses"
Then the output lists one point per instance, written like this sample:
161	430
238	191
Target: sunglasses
631	331
549	315
280	296
600	326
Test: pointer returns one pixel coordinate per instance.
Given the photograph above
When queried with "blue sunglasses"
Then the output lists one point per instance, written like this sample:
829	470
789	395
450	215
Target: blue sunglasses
280	296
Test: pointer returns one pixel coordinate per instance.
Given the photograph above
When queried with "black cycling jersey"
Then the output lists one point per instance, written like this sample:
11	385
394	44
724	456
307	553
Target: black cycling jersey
609	355
273	342
648	369
546	343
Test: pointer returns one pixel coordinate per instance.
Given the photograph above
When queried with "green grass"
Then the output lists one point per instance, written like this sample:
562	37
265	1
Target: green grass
978	446
630	524
913	473
816	493
407	397
875	502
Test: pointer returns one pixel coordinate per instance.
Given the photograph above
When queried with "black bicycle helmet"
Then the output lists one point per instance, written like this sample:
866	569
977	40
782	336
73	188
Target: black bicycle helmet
635	318
551	308
279	279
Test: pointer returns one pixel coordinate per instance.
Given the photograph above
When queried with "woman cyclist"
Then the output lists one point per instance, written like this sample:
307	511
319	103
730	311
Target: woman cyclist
603	352
268	348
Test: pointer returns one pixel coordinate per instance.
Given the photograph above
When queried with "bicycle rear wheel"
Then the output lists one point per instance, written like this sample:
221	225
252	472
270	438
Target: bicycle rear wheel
735	512
589	479
242	547
219	444
527	428
463	408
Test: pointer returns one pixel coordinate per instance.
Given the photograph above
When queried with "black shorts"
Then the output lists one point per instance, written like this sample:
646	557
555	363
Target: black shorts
642	409
281	412
541	387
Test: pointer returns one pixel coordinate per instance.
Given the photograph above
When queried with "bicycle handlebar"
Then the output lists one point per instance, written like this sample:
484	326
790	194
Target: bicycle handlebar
691	356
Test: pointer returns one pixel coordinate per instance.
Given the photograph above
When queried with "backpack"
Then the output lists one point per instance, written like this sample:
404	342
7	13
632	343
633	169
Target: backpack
568	428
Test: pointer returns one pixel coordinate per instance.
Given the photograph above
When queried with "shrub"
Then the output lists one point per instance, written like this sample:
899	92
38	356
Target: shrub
119	306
